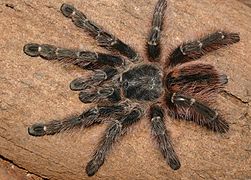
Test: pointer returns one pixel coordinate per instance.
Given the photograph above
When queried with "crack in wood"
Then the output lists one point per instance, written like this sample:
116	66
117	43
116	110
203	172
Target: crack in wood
20	167
231	95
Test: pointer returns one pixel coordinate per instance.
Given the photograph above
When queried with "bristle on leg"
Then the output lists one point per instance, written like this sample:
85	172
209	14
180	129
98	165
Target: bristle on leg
190	109
163	138
153	43
196	79
102	37
80	58
89	117
114	130
95	79
195	49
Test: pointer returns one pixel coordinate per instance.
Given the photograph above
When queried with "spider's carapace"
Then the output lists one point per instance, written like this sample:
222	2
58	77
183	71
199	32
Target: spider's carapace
142	83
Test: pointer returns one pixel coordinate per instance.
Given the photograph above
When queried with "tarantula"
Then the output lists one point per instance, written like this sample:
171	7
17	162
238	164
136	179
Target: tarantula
127	88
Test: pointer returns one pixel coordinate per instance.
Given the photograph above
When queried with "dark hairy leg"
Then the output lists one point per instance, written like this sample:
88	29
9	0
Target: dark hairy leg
110	94
153	43
195	78
195	49
162	136
102	37
89	117
77	57
95	79
188	108
115	129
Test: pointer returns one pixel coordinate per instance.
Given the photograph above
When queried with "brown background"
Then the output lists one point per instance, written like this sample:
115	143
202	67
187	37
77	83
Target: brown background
35	90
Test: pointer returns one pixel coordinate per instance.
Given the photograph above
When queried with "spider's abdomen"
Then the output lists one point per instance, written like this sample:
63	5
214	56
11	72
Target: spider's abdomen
143	82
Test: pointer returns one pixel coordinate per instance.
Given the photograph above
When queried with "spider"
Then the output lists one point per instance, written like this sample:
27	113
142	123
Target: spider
126	88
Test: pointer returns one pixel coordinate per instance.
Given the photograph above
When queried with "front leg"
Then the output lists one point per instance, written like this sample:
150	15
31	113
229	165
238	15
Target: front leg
80	58
102	37
153	43
110	94
98	77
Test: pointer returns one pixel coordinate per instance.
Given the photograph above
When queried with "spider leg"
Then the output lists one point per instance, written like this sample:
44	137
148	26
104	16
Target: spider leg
102	37
195	49
115	129
98	77
163	138
111	94
195	79
153	43
77	57
90	117
188	108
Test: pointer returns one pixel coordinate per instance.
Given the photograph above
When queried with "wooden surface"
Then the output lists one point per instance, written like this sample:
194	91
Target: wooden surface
9	171
34	90
246	2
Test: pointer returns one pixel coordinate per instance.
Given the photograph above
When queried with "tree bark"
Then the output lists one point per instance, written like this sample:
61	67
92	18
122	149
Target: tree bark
34	90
